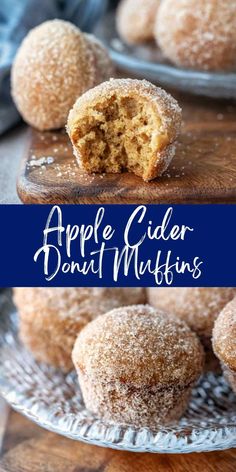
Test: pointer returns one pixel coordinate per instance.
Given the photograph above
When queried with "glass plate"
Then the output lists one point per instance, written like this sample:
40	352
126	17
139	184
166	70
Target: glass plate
147	62
53	401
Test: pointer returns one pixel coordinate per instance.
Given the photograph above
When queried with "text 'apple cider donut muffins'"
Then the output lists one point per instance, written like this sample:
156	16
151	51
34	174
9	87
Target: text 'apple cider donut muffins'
198	307
198	35
137	366
224	341
54	65
51	318
125	124
135	20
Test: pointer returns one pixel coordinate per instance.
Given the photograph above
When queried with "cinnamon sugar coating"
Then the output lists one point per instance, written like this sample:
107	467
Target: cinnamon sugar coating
51	318
198	307
102	60
198	35
125	124
137	365
135	20
224	338
54	65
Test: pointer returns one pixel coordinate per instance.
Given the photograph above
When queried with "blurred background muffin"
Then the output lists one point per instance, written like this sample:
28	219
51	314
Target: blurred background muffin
135	20
200	36
52	317
198	307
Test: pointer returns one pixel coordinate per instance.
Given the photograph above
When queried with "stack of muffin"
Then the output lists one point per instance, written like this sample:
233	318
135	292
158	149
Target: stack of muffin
136	362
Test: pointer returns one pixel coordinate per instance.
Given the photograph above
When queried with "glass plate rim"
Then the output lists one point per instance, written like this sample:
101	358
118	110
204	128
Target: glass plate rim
121	444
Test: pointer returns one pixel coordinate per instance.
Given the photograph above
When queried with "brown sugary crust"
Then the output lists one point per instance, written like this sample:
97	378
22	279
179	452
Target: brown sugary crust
164	107
198	35
135	20
198	307
139	367
51	318
224	336
141	407
103	62
52	67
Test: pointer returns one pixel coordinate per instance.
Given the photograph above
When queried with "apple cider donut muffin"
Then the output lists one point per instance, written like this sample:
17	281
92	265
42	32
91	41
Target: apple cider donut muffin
125	124
54	65
224	341
135	20
51	318
198	307
198	35
137	366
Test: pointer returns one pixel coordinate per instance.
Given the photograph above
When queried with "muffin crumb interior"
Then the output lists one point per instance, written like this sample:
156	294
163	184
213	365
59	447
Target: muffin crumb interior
119	133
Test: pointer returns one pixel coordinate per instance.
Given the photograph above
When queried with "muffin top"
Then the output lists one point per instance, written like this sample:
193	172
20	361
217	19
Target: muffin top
199	307
224	335
139	345
74	302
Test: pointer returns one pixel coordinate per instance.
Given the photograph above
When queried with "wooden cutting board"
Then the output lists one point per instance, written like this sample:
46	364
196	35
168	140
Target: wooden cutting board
28	448
203	171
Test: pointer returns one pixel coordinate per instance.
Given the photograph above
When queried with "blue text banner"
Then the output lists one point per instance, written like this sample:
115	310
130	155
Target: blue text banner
117	245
